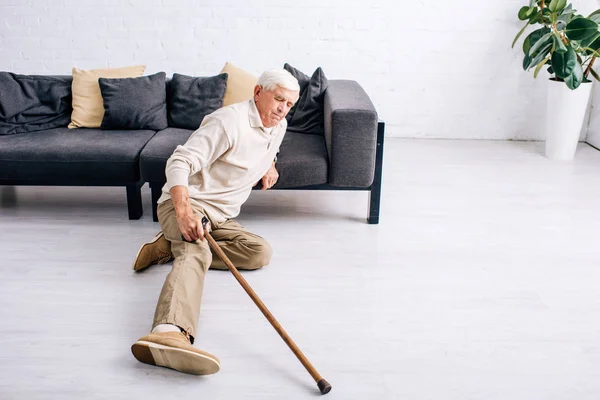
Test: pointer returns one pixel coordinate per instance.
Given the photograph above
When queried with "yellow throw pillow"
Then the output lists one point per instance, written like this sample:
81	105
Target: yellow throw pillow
88	107
240	84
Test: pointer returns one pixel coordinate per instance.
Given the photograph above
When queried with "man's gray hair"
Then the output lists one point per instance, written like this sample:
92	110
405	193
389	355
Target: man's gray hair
270	79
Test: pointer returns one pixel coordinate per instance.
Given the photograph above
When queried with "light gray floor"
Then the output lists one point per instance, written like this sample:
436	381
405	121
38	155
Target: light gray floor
481	282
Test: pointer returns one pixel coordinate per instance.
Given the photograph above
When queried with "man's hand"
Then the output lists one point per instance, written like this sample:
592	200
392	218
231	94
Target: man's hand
191	228
270	178
190	224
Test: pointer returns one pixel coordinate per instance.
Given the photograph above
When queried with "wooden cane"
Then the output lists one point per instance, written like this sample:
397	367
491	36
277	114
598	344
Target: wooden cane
323	385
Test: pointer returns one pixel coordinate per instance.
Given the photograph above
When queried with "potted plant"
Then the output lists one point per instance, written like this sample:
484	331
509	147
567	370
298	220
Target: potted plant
568	44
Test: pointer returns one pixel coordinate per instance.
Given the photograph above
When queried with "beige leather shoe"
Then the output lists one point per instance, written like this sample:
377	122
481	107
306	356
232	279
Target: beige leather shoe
173	350
156	251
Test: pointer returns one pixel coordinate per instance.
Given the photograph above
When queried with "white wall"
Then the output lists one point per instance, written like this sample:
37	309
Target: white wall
437	69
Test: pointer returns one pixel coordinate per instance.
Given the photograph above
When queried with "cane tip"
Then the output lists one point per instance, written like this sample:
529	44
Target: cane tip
324	386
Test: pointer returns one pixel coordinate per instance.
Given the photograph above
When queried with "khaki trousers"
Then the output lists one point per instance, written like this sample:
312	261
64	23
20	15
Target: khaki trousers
181	295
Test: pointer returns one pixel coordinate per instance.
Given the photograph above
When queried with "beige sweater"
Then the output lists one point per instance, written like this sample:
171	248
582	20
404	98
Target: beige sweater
223	159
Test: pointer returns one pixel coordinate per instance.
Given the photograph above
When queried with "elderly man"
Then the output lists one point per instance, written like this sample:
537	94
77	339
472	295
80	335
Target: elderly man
211	175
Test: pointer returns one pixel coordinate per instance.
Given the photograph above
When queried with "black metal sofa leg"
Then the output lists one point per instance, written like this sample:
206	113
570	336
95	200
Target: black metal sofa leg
156	191
375	192
374	201
134	200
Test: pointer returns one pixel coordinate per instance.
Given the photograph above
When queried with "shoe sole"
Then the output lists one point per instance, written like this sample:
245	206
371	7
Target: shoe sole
137	257
181	360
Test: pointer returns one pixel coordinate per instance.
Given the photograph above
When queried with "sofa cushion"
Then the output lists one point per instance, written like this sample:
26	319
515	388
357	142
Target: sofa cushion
190	99
307	114
240	84
30	103
61	155
302	161
134	103
153	159
87	99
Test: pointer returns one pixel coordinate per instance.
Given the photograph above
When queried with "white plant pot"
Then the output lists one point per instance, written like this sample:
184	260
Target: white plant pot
565	115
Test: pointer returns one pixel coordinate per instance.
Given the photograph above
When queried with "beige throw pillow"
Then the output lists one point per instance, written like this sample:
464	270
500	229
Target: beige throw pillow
88	107
240	85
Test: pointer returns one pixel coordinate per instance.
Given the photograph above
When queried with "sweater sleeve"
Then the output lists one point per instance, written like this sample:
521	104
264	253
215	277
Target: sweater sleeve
203	147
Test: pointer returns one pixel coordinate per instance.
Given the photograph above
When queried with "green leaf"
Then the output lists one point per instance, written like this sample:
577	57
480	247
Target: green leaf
595	45
595	17
592	52
550	70
568	11
595	74
526	62
543	41
557	5
592	42
586	42
558	43
567	14
539	66
524	13
536	18
581	28
574	80
519	34
564	63
539	56
563	20
533	37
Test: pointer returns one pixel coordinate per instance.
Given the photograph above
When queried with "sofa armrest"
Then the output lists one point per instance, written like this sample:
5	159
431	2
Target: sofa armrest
350	134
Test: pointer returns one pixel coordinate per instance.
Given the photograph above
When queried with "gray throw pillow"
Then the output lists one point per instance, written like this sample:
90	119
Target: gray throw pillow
190	99
307	114
30	103
134	103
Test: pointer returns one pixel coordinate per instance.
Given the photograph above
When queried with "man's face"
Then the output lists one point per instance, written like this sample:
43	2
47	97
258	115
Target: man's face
273	105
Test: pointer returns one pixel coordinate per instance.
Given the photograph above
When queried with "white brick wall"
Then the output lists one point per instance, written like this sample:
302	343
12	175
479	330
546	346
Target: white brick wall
433	68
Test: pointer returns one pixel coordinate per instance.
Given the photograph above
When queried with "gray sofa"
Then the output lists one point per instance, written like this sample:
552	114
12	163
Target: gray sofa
347	157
